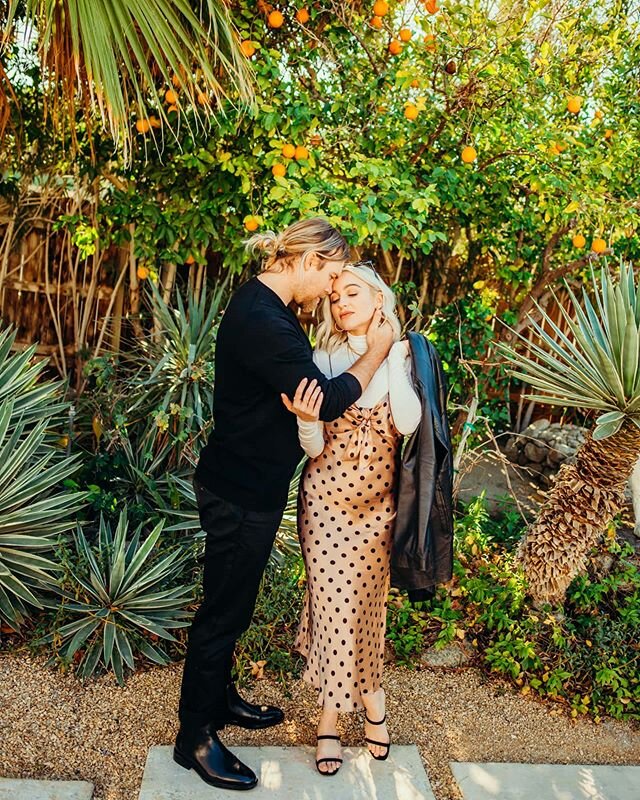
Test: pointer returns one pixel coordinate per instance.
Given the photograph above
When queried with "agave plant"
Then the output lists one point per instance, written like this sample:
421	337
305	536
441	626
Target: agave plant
126	595
596	367
34	508
177	365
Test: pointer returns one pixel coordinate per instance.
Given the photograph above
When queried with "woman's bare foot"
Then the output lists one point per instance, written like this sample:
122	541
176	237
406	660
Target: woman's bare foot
328	748
375	711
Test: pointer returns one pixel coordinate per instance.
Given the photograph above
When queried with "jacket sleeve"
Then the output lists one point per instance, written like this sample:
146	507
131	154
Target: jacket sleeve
279	354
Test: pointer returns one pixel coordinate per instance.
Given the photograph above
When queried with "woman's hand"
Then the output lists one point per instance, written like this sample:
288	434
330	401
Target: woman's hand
306	402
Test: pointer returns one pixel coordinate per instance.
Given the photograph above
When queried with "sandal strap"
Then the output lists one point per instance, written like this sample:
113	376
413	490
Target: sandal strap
326	760
380	744
327	736
371	722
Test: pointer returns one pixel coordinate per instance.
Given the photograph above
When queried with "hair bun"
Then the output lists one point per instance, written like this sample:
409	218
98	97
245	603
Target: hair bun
265	243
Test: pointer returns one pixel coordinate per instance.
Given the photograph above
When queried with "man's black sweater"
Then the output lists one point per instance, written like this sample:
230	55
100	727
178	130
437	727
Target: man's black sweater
261	351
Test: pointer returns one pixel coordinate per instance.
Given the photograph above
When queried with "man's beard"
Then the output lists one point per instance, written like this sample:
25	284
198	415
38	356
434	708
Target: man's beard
309	306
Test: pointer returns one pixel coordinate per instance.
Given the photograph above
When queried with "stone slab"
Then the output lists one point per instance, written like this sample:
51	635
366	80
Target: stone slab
289	773
20	789
547	781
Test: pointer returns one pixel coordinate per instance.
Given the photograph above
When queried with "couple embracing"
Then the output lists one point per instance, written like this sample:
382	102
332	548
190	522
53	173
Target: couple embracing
365	514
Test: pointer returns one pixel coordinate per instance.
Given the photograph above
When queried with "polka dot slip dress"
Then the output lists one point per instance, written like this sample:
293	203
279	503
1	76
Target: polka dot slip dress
346	512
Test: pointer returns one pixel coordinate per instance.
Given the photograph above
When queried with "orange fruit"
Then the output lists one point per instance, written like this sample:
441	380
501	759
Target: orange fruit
405	34
142	273
411	112
154	122
176	81
247	47
288	151
264	7
608	133
430	41
376	22
574	104
380	8
251	223
189	259
143	125
469	154
170	97
395	47
578	240
279	170
172	110
301	153
599	114
432	6
415	83
302	15
275	19
598	245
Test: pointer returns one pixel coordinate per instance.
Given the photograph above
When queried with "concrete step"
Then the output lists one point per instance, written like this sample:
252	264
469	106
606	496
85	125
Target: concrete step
547	781
289	773
21	789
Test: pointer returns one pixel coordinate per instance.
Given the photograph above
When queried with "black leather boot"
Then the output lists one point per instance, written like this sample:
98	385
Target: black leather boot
249	715
203	752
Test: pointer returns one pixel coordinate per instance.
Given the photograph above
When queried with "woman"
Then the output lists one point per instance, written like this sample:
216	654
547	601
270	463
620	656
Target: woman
346	510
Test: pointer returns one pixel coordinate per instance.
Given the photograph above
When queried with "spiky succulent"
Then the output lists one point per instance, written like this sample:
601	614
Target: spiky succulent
598	366
127	594
35	508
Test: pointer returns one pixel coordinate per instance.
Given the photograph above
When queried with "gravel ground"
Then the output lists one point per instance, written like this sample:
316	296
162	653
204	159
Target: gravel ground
53	727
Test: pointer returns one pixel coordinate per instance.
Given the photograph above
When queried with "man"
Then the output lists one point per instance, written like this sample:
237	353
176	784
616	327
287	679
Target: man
243	475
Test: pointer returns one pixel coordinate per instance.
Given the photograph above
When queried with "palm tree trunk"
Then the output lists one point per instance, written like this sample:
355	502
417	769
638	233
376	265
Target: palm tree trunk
583	501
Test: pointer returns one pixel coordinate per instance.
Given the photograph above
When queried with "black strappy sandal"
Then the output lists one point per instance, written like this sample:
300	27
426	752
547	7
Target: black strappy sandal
380	744
326	760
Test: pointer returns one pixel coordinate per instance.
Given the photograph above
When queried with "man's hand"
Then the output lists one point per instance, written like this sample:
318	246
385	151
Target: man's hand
306	402
379	334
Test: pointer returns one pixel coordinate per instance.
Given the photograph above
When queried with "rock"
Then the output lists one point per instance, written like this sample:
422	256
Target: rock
456	654
535	452
511	449
535	427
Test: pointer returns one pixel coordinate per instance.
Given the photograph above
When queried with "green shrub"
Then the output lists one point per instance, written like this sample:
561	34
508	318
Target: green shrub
275	621
583	656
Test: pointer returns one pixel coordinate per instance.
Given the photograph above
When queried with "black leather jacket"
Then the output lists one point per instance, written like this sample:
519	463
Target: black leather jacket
422	551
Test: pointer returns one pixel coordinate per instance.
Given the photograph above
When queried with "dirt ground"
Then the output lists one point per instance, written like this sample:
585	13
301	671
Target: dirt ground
53	727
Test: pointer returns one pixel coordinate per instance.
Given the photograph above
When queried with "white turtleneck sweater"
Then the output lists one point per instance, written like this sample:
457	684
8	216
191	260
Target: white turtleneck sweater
393	377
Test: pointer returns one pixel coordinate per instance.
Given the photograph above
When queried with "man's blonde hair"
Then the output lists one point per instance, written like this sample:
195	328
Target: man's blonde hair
313	235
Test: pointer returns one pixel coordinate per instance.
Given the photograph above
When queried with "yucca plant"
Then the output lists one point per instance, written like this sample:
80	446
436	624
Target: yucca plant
127	594
595	367
35	509
177	372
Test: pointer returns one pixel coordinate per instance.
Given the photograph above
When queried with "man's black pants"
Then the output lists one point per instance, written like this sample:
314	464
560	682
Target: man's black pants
237	548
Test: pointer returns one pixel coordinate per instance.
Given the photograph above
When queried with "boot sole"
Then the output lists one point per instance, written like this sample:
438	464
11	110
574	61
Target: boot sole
251	726
189	763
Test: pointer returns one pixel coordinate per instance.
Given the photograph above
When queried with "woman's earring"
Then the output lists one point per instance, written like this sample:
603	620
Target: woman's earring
340	330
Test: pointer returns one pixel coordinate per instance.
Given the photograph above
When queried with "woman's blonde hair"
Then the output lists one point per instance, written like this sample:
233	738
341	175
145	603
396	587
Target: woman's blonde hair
314	235
329	338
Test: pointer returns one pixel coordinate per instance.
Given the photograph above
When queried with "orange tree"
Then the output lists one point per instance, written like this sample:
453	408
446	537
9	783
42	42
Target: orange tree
475	153
454	147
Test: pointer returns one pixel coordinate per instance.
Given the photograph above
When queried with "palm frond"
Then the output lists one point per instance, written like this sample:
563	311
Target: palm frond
117	58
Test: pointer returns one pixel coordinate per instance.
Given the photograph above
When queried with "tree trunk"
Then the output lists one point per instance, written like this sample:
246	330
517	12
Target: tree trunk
583	500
